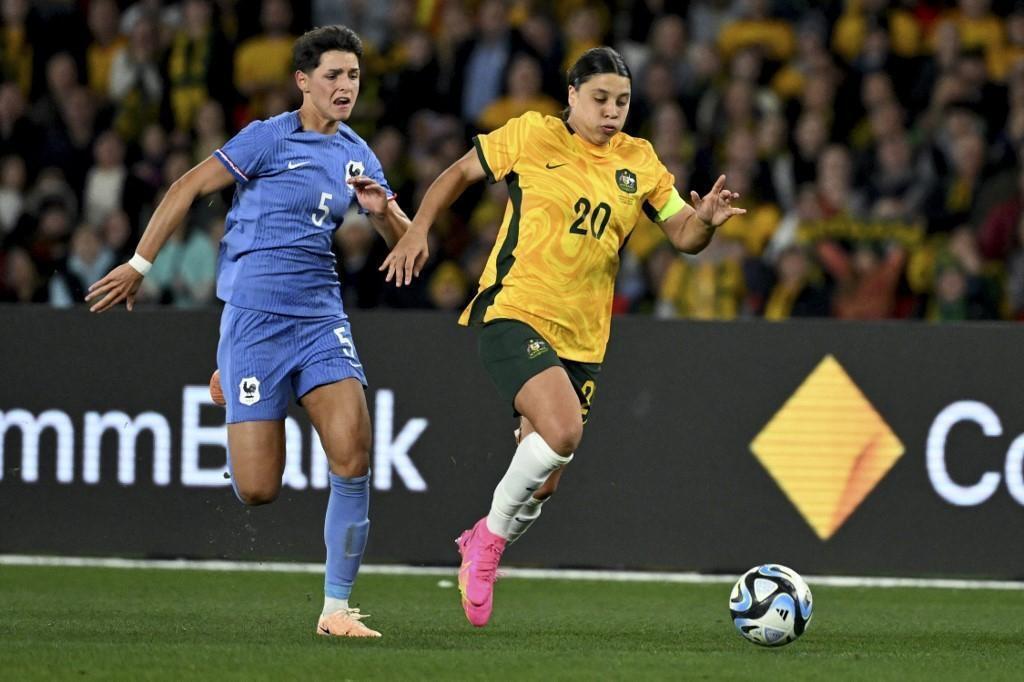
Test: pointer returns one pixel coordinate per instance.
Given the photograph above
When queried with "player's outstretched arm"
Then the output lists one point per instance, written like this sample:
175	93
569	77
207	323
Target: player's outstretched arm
409	256
692	228
385	214
122	283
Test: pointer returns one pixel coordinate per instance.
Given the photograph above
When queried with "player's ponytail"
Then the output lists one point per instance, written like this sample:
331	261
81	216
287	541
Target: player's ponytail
594	62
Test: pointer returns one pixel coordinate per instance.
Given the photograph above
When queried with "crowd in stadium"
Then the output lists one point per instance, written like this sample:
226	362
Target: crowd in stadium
874	144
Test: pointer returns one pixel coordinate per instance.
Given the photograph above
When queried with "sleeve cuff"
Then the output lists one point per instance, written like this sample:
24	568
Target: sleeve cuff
483	160
230	165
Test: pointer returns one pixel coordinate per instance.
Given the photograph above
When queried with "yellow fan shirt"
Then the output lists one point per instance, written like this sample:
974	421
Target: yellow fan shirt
571	207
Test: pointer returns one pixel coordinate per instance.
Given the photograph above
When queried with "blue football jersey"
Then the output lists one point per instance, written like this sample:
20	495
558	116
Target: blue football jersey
289	199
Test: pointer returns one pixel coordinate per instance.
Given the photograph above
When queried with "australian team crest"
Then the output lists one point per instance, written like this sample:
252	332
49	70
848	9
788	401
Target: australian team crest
626	180
535	347
354	169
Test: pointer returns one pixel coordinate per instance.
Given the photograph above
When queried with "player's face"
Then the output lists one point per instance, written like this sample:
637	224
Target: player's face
599	107
334	85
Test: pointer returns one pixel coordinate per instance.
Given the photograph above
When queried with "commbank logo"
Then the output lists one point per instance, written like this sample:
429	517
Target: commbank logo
827	448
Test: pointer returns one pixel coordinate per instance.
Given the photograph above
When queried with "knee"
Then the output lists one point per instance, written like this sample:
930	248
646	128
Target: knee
351	459
255	495
564	435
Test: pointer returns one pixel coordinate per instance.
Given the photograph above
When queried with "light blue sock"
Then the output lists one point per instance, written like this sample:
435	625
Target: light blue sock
345	529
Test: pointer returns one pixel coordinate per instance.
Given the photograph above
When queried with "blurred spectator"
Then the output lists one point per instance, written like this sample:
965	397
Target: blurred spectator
148	170
861	18
117	235
165	18
18	135
16	46
708	286
524	94
836	193
866	281
707	19
88	261
962	289
414	85
368	18
210	131
584	30
481	62
13	179
136	86
264	62
103	19
21	282
1012	53
198	64
798	290
68	144
1015	275
48	245
61	78
358	259
195	280
447	287
897	185
999	231
105	181
953	200
756	28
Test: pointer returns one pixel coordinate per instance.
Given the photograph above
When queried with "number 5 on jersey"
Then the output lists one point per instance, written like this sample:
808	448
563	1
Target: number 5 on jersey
348	349
318	220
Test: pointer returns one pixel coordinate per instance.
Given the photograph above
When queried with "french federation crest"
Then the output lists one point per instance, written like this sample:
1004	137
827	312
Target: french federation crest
626	180
354	169
249	391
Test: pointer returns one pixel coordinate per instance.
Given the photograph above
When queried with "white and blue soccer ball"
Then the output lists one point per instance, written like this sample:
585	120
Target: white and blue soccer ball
771	605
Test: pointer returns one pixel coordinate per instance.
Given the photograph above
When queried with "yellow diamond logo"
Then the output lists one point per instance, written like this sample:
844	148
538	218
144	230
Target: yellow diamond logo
827	448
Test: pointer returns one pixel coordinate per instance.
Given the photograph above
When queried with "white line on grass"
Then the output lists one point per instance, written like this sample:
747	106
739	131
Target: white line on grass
535	573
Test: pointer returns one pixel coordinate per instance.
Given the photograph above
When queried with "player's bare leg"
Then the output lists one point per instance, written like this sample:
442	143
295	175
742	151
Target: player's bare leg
549	402
339	414
257	455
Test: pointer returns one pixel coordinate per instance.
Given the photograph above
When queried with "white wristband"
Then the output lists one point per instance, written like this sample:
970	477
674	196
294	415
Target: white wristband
140	264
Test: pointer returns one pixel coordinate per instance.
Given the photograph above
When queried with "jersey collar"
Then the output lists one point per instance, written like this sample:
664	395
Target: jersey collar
596	150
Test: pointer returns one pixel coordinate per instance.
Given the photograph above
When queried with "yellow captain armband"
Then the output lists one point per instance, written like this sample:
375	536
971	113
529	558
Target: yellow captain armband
674	205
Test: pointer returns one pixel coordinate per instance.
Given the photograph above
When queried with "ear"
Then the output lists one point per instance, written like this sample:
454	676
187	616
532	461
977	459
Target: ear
574	97
301	80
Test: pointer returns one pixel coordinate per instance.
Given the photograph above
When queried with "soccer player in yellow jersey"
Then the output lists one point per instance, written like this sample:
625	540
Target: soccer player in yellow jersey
577	186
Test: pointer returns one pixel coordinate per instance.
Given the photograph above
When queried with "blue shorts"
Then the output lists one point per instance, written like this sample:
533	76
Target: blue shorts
265	359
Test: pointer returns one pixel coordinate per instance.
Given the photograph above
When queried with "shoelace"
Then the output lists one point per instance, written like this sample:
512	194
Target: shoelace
354	614
487	567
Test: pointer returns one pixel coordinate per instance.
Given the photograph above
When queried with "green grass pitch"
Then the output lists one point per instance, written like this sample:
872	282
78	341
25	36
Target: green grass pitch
92	623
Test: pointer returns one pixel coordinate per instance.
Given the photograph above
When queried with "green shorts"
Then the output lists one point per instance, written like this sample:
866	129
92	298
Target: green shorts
513	353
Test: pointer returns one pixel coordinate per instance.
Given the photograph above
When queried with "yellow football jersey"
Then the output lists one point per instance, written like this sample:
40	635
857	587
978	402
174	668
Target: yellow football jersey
572	205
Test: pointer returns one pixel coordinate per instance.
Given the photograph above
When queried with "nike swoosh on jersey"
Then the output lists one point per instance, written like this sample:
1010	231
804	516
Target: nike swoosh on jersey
292	165
557	165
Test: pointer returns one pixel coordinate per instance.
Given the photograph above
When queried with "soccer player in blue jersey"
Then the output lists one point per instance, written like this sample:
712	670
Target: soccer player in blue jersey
284	331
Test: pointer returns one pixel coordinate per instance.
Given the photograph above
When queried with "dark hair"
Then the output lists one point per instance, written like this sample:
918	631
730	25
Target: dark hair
312	44
596	61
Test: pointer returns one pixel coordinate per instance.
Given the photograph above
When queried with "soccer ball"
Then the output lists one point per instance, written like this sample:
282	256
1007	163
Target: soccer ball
771	605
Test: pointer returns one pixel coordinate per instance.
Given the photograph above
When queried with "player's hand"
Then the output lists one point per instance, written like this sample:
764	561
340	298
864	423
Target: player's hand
716	206
408	257
370	195
120	284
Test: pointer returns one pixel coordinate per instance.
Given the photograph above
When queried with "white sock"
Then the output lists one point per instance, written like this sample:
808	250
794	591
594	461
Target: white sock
524	518
332	605
532	464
